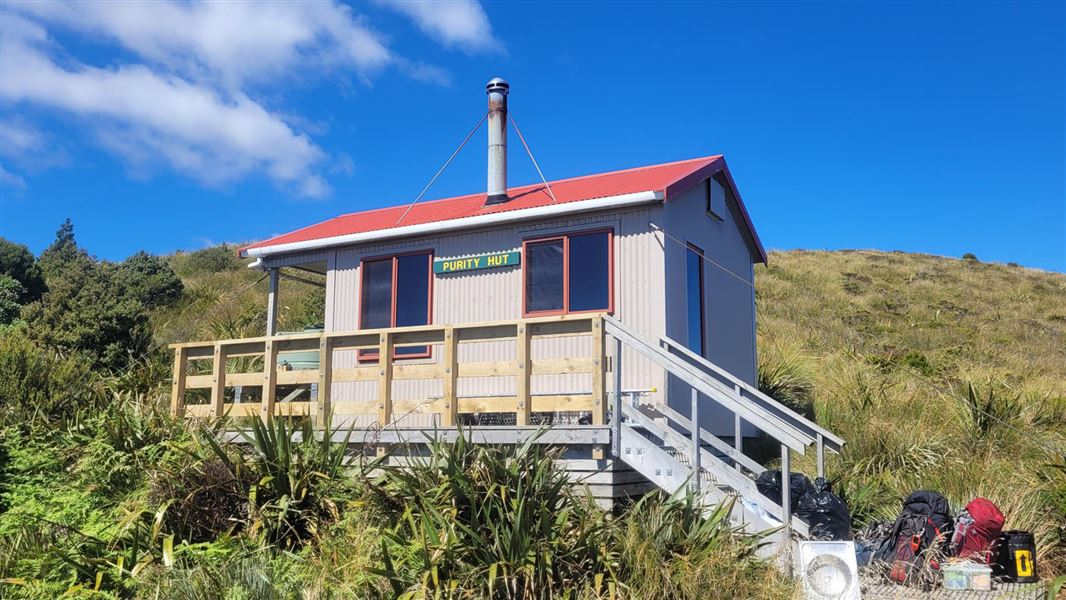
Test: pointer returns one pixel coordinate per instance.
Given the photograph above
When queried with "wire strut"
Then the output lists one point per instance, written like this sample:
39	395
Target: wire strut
655	227
444	166
530	153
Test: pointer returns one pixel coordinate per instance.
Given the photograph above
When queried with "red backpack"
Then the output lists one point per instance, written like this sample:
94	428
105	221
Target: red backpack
976	529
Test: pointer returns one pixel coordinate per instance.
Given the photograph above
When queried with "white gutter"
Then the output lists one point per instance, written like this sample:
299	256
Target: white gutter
463	223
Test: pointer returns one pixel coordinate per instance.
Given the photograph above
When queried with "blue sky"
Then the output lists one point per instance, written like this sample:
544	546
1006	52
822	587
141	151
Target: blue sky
922	127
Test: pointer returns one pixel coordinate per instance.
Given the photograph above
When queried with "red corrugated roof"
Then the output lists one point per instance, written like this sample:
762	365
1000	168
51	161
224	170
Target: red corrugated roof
669	178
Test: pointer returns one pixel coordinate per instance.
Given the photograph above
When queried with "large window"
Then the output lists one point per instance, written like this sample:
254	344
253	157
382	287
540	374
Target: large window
694	299
396	293
568	273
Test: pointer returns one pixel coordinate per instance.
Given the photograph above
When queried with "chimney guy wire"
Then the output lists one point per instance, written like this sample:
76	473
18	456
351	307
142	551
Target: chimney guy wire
655	227
530	153
444	166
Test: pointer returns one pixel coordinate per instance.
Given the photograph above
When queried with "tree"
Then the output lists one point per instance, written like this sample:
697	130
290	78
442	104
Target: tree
17	262
85	311
10	291
149	279
62	251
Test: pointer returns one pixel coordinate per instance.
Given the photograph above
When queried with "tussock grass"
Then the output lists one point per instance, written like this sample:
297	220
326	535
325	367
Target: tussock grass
941	374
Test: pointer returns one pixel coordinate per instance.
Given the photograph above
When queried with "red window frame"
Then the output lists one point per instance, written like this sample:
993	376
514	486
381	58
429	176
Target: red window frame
690	247
369	356
565	237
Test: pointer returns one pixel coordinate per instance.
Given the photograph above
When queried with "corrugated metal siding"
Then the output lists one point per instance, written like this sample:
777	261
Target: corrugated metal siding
496	294
728	299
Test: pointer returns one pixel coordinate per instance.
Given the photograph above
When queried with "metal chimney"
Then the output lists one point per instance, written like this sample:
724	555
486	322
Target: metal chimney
497	189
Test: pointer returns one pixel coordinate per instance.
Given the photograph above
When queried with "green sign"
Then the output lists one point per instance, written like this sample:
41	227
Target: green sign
485	261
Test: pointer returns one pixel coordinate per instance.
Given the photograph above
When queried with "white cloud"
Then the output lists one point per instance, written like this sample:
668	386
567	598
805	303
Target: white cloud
459	23
133	110
188	95
29	147
11	179
233	43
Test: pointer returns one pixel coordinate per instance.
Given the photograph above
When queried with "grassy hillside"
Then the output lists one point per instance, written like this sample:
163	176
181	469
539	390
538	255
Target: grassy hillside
940	373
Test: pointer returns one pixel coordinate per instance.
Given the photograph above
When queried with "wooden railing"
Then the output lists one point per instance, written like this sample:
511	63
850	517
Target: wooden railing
252	363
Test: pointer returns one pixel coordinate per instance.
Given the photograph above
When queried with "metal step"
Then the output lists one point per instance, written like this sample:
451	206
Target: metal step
714	471
671	475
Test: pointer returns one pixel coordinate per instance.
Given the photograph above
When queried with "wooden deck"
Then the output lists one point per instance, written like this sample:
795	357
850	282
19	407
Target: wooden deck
218	368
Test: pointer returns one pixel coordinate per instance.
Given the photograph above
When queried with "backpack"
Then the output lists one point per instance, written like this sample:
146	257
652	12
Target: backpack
977	528
924	522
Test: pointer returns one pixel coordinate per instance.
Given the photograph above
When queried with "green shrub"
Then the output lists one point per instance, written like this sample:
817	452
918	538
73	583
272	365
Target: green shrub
17	262
216	259
785	380
10	292
672	547
480	521
243	574
918	362
149	279
204	499
40	387
84	310
292	476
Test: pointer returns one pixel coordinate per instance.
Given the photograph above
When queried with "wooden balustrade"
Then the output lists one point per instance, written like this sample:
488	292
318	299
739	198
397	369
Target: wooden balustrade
262	355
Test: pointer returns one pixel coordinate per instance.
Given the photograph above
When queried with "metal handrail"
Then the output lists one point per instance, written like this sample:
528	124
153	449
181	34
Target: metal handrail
765	420
832	441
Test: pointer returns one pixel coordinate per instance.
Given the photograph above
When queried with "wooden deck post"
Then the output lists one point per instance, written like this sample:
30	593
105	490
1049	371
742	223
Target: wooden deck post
325	381
270	378
177	390
599	362
272	302
523	375
450	377
616	410
385	346
218	380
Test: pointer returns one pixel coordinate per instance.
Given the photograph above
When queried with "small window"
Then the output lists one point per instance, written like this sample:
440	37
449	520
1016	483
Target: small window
395	293
694	299
569	273
715	199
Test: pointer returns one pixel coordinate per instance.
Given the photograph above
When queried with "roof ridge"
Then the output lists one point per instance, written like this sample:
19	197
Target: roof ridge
531	186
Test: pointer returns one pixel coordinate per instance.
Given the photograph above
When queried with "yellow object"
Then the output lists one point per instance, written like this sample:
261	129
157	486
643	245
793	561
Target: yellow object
1023	563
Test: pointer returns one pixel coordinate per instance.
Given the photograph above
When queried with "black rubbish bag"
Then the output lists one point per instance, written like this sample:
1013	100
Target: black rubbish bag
825	513
769	484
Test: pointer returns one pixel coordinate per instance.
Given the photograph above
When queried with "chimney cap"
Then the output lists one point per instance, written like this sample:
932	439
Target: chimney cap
497	84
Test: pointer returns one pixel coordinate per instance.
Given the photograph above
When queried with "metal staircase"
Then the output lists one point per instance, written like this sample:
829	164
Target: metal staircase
672	451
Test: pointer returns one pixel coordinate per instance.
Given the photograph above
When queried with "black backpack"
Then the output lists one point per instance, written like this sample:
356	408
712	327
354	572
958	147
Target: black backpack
925	522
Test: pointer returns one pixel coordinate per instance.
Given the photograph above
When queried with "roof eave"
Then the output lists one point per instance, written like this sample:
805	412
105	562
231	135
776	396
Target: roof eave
458	224
710	170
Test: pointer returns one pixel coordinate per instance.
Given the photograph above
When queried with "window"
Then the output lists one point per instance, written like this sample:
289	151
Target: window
396	293
568	273
715	190
694	299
